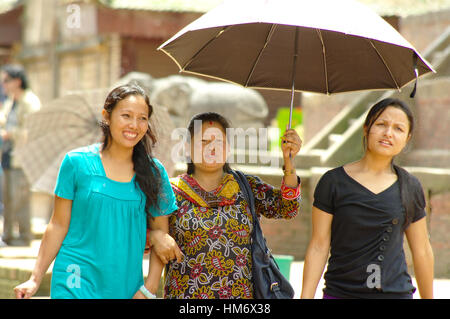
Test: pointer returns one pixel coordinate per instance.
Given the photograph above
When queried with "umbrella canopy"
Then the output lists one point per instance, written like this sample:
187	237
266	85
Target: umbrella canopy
70	122
323	46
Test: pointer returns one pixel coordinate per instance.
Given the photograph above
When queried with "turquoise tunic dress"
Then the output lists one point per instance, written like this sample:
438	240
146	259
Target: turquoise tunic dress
101	255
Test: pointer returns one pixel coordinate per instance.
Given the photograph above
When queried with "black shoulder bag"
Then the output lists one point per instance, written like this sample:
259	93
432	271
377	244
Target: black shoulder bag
268	281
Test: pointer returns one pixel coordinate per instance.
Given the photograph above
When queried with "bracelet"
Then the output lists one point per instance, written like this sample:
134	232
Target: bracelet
289	171
291	193
147	293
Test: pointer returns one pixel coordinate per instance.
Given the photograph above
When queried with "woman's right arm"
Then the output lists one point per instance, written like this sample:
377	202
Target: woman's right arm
51	243
156	265
317	252
164	246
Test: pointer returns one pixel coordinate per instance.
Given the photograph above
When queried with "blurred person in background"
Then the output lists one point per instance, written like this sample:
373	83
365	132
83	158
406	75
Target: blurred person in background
20	102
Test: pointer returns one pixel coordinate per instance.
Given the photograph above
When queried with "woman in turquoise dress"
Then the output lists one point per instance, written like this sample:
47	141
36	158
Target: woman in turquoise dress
104	196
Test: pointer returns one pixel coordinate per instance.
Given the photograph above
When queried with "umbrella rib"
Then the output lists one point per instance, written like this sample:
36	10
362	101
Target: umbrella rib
385	64
204	46
324	59
268	37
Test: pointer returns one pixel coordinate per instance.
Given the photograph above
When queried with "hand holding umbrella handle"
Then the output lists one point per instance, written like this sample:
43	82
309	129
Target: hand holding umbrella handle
290	146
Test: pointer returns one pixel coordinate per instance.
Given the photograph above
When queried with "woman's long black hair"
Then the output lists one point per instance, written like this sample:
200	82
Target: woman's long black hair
209	117
148	177
409	188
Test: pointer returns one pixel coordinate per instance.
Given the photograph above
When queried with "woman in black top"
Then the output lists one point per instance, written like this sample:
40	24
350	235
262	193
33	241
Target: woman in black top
361	211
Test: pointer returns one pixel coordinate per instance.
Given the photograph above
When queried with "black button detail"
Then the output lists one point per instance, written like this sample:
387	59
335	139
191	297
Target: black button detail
395	221
380	257
382	247
385	237
389	229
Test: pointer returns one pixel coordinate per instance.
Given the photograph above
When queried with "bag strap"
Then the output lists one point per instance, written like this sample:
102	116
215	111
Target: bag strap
257	234
248	194
247	191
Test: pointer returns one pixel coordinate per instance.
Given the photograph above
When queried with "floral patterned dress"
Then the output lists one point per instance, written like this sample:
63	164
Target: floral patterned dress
213	231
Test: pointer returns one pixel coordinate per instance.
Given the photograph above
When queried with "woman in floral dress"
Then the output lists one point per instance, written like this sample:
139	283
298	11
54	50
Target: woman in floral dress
213	224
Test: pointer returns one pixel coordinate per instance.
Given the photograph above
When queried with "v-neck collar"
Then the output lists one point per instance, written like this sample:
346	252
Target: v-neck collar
364	187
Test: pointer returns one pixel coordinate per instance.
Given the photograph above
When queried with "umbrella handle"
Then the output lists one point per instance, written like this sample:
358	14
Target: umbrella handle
416	72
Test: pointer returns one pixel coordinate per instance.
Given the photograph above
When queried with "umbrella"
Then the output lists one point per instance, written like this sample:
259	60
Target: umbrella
70	122
322	46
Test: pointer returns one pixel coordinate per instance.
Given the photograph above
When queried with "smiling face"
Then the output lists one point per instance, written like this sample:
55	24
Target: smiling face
128	121
389	133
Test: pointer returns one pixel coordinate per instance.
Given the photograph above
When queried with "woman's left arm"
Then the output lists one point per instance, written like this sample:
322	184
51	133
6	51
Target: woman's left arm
291	144
273	202
284	202
422	255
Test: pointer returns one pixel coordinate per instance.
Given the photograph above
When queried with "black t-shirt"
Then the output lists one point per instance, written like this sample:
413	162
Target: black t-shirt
366	250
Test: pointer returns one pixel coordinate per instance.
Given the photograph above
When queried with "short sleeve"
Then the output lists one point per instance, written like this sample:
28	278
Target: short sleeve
65	183
167	203
419	202
324	193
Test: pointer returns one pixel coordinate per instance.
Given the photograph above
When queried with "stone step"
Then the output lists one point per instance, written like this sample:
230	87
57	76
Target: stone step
16	265
351	121
38	226
334	138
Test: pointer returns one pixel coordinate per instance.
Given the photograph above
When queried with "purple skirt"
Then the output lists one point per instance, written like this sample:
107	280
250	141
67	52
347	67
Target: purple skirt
325	296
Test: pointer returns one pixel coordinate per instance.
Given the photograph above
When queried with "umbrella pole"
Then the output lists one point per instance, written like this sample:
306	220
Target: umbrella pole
294	67
293	76
291	109
292	105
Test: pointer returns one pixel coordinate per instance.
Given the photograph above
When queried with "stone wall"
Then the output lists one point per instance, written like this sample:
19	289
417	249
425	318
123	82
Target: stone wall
439	221
291	237
431	143
421	30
